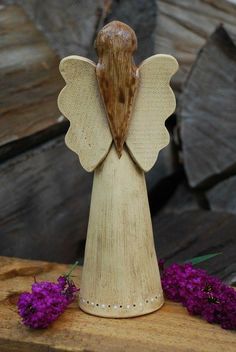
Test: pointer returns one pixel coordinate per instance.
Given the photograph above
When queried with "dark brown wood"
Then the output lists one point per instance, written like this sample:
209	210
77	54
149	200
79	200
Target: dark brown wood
44	210
169	329
117	76
30	80
206	112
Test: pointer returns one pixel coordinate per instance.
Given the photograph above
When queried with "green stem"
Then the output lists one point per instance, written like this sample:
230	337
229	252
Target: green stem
72	268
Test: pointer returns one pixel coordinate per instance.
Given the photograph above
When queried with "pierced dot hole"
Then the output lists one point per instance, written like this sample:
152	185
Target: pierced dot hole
156	297
147	301
97	304
87	302
109	306
134	305
120	306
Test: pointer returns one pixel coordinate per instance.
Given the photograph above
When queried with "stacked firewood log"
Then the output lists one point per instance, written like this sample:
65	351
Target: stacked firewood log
192	187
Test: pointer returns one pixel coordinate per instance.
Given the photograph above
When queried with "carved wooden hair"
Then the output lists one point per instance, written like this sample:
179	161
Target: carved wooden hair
117	77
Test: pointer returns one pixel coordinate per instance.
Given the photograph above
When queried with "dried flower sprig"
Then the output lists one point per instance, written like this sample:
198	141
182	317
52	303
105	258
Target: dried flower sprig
47	301
200	293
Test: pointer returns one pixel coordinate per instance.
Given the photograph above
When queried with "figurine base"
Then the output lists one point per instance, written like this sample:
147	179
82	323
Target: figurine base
116	311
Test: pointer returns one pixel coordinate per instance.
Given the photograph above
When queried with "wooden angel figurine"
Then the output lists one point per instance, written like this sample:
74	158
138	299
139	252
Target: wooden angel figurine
117	114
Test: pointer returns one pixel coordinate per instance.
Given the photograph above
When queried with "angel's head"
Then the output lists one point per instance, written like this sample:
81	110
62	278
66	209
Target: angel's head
116	37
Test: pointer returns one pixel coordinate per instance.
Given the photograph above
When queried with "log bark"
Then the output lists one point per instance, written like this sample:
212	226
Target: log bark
44	210
183	27
207	112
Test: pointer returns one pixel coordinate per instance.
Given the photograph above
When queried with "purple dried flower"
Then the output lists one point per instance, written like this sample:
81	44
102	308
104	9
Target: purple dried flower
201	294
46	302
68	288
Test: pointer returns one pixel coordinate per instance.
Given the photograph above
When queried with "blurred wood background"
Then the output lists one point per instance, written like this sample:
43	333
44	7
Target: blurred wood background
44	210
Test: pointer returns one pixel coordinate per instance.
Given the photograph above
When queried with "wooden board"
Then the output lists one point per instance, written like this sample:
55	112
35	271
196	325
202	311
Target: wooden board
206	112
44	210
183	27
167	330
30	78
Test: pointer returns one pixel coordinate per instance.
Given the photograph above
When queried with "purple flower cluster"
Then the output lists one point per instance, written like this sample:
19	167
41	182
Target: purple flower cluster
201	294
46	302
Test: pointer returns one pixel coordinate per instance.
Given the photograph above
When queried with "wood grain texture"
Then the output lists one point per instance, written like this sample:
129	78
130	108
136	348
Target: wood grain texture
70	34
154	102
120	274
221	197
206	112
170	329
183	27
182	236
29	76
80	102
117	280
45	196
117	77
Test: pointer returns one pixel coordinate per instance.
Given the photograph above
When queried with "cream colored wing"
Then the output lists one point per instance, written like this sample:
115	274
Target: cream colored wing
155	101
89	134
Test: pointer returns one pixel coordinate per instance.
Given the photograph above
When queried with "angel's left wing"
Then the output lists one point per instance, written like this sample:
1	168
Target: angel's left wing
89	135
154	102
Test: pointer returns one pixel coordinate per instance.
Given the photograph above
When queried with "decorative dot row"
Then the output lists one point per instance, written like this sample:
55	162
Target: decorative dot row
116	306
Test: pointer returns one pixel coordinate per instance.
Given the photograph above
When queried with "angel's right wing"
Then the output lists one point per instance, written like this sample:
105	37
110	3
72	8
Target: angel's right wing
89	135
154	102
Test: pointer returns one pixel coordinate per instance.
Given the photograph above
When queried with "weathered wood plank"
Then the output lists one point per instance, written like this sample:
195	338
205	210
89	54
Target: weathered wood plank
30	78
207	112
72	34
169	329
44	210
183	27
189	234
